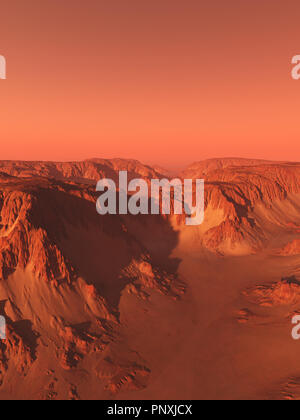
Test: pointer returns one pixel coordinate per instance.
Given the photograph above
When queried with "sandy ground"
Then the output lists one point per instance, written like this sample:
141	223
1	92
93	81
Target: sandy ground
199	350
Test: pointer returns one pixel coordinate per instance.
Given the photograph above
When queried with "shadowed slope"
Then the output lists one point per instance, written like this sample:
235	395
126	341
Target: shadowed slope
144	306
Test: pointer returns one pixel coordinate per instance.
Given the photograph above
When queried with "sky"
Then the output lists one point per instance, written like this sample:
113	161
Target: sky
167	82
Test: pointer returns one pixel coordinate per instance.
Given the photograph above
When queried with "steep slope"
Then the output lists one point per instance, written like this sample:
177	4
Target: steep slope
63	271
247	205
144	306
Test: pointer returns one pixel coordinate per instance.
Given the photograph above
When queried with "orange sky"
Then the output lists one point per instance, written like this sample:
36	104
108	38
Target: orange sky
163	81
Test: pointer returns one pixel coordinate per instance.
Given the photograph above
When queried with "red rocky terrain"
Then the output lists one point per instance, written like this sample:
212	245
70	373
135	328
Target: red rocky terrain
141	306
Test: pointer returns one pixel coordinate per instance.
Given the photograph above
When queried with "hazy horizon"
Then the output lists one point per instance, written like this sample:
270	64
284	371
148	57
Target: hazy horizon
170	166
162	82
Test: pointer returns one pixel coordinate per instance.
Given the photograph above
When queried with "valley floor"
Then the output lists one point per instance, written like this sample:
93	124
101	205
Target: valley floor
211	351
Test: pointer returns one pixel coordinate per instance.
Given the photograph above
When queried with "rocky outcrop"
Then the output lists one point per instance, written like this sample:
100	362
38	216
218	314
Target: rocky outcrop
18	350
63	270
145	276
284	292
123	375
238	192
292	248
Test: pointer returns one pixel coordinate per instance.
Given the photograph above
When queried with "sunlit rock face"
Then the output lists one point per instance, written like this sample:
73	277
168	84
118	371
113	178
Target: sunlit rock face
128	306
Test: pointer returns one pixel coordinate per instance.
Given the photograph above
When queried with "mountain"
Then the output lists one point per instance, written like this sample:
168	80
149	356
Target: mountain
202	168
87	171
63	271
245	204
145	307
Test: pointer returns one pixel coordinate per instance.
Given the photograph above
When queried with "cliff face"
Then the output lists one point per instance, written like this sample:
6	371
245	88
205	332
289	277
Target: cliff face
245	202
291	248
63	271
71	281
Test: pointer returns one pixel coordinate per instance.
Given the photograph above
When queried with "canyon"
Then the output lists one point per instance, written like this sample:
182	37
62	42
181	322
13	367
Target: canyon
145	307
